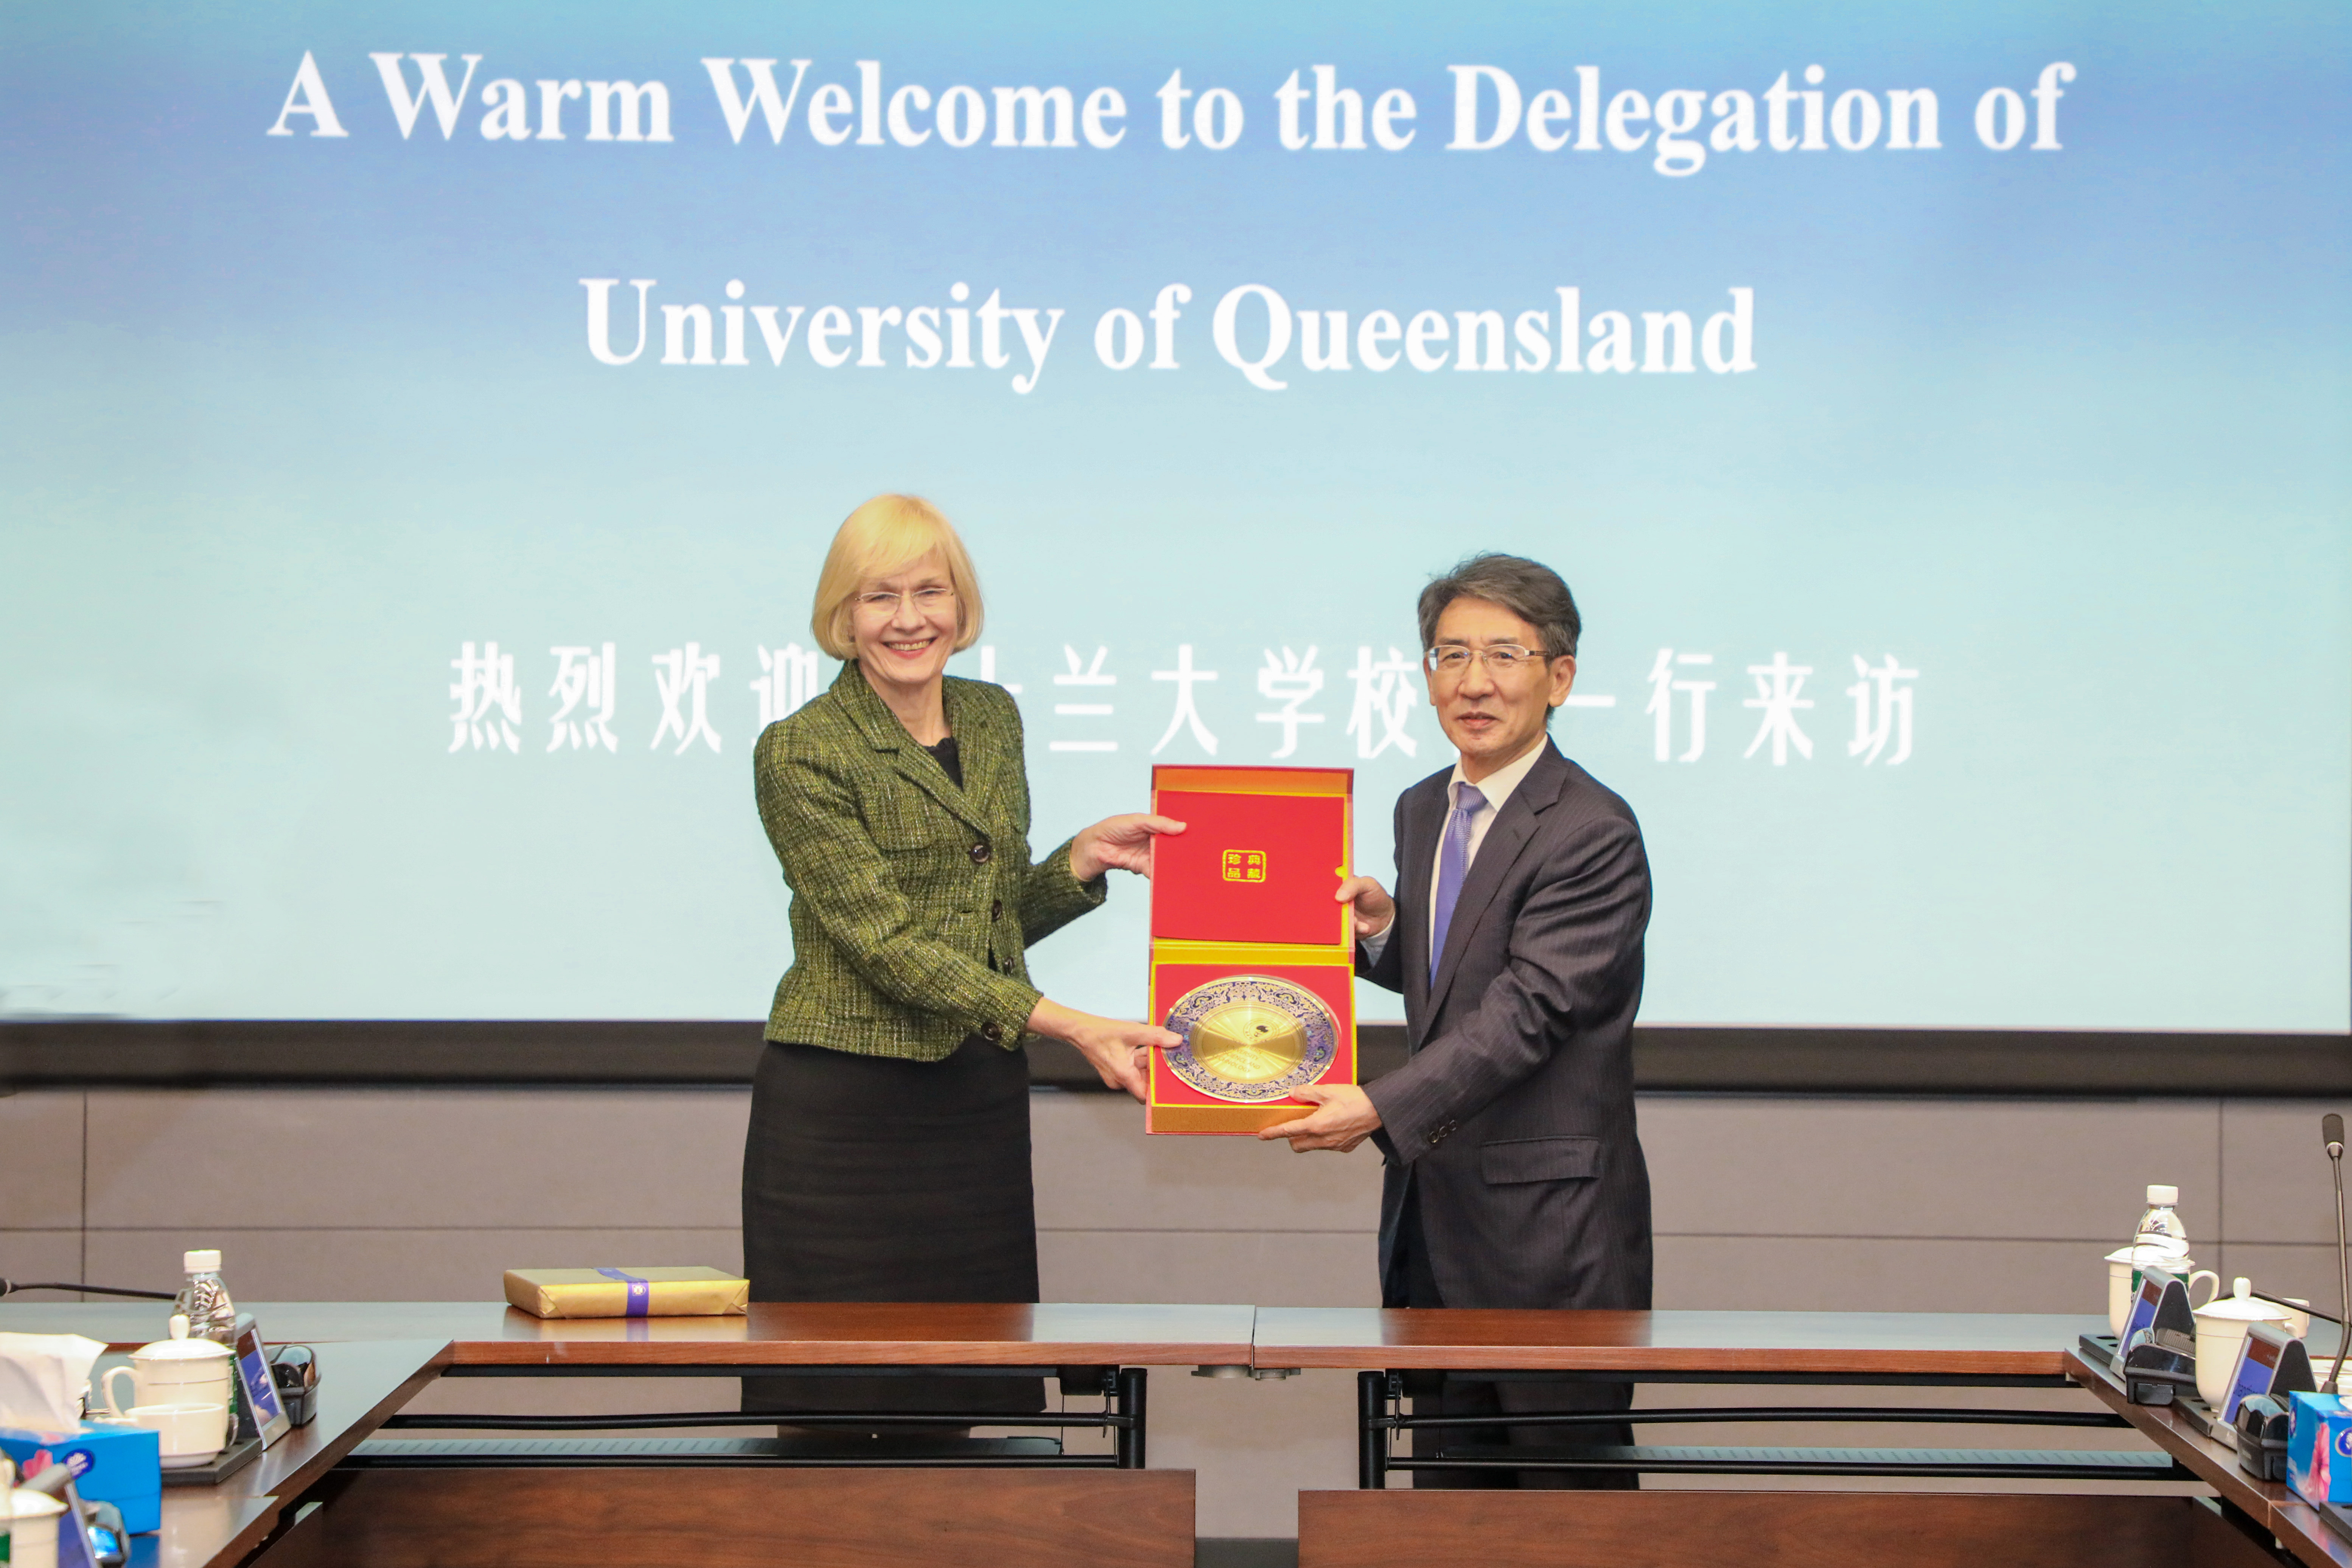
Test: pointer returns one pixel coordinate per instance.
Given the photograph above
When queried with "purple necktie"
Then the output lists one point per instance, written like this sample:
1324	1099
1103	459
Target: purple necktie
1452	865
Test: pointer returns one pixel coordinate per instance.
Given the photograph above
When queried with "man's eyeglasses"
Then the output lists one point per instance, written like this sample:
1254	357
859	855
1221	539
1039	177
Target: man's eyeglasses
1503	660
925	599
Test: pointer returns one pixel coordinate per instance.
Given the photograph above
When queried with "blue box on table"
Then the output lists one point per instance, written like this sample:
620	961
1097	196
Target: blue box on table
2319	1449
116	1464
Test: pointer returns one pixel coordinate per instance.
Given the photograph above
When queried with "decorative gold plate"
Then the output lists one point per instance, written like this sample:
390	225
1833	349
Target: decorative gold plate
1251	1038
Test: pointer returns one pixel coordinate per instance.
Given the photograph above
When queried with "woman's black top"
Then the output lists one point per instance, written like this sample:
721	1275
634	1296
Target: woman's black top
949	763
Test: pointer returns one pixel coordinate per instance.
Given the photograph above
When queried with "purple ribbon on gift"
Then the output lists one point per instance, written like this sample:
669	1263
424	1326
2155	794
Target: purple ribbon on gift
641	1291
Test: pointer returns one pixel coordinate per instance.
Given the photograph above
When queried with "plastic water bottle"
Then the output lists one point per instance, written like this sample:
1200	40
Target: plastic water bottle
203	1299
2160	1227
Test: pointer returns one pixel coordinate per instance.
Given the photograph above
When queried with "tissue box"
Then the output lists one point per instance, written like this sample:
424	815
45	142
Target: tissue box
121	1464
2319	1450
694	1292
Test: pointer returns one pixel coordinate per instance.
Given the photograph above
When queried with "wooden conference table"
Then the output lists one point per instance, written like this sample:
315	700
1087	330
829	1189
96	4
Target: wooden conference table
386	1507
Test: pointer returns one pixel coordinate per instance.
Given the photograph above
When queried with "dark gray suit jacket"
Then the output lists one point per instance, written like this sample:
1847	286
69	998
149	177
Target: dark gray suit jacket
1513	1121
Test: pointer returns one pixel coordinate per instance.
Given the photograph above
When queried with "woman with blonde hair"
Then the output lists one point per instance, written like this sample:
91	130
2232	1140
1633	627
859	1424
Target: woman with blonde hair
888	1158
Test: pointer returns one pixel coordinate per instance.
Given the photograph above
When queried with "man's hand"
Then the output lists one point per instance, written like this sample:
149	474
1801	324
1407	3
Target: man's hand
1343	1117
1369	903
1121	841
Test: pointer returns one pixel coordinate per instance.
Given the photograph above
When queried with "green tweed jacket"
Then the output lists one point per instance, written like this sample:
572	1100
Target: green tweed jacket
903	885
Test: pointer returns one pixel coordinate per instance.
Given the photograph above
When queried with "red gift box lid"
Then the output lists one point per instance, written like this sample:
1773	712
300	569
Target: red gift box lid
1263	853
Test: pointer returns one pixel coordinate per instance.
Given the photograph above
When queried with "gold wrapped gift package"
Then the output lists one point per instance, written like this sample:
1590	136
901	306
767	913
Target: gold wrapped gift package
690	1292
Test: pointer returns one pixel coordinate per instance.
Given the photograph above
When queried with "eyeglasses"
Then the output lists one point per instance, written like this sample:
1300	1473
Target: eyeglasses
1503	660
933	596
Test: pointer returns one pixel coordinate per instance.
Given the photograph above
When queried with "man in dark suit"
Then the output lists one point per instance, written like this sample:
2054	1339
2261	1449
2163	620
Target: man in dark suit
1514	1176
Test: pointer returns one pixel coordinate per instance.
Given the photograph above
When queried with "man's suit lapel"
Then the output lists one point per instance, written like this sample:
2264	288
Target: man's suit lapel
1424	818
1501	846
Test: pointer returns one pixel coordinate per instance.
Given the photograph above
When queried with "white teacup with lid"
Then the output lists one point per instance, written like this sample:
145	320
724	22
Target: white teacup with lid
33	1516
2222	1325
177	1370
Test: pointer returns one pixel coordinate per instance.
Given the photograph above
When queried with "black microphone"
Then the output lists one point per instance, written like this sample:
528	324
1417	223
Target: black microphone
2331	1131
10	1287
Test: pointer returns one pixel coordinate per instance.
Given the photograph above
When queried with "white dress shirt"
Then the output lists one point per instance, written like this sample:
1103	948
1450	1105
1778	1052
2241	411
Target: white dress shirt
1496	787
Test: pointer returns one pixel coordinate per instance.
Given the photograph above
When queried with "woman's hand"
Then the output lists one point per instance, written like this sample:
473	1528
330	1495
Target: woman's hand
1121	841
1369	903
1116	1048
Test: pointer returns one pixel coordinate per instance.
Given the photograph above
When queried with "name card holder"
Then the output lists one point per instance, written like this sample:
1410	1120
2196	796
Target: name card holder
2157	1354
260	1414
2271	1365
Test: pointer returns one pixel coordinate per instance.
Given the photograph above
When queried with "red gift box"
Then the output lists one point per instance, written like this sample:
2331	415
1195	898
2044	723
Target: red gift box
1244	920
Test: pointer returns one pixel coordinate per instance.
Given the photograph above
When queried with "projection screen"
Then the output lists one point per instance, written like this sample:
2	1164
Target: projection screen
423	430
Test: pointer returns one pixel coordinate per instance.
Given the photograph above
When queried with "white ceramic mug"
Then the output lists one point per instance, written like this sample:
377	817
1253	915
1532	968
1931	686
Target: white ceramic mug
155	1385
188	1435
2123	1281
34	1534
2119	1275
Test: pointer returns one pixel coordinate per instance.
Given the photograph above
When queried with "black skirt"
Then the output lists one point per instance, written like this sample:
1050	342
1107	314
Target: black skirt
879	1179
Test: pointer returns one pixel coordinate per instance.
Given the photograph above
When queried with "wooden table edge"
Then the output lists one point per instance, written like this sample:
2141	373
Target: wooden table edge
328	1455
2307	1529
2289	1518
842	1353
2190	1449
1637	1359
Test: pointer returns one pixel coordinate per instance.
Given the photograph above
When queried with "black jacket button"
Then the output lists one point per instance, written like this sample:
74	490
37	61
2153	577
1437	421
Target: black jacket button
980	853
996	909
992	1032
